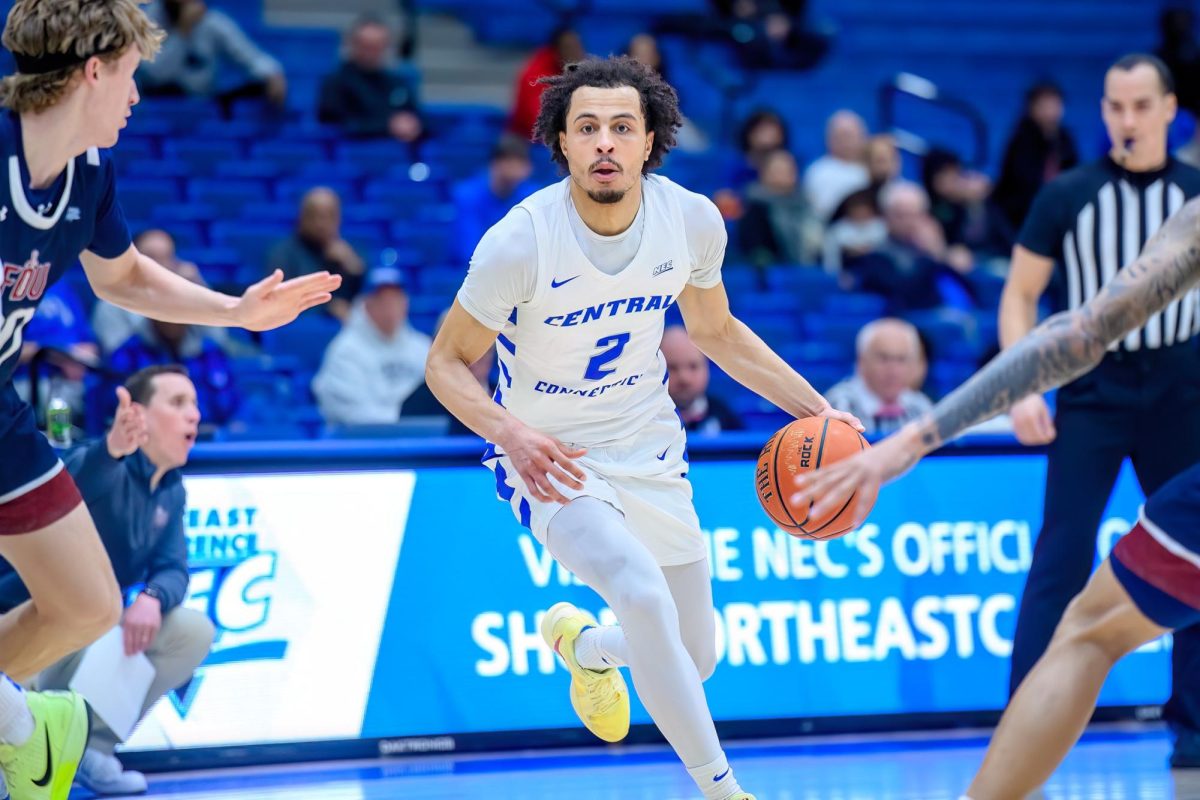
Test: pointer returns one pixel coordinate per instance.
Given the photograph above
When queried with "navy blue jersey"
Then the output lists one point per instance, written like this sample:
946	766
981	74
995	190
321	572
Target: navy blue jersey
42	232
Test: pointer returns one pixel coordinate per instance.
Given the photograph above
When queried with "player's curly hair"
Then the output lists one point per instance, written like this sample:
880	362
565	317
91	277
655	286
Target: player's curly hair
39	28
660	104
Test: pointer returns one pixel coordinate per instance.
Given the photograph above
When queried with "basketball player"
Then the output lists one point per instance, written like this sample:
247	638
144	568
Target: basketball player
1149	585
573	285
71	95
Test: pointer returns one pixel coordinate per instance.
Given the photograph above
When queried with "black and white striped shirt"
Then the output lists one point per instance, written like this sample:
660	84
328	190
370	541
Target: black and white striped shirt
1094	220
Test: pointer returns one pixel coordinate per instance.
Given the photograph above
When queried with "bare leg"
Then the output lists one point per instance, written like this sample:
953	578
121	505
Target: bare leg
74	595
1051	708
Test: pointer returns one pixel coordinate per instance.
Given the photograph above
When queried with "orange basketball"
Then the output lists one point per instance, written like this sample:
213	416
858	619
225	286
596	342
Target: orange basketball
799	447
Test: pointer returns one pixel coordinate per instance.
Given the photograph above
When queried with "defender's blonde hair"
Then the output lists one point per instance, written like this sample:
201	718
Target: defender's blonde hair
70	31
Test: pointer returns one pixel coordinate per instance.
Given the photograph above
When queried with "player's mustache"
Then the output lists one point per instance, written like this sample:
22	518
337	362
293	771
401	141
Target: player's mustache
605	162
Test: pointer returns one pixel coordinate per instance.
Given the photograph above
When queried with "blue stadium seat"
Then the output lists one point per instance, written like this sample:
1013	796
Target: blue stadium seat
376	156
252	240
305	339
405	192
288	154
230	195
292	189
152	168
264	170
141	196
203	155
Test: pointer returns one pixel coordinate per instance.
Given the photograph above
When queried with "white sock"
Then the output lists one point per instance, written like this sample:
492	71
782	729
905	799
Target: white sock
601	648
715	779
16	721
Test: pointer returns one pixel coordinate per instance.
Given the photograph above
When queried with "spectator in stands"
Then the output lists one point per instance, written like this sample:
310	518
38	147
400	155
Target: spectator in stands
365	96
564	47
133	489
198	38
318	245
773	34
113	325
779	226
842	170
762	133
914	269
880	392
883	162
857	228
961	202
172	343
643	47
1038	150
481	202
687	384
377	360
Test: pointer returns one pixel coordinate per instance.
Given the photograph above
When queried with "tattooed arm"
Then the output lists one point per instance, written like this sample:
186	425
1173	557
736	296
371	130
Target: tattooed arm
1069	344
1062	348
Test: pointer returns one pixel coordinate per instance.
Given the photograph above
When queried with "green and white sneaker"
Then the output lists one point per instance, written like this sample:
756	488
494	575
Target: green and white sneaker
44	767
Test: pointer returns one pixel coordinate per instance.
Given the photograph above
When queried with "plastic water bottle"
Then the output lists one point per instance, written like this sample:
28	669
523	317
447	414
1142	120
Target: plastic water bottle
58	422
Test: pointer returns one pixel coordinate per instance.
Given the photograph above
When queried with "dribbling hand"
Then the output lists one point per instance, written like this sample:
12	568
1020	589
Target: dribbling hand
128	431
845	416
538	457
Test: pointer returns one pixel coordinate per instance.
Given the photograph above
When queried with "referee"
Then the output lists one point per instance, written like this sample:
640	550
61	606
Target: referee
1143	401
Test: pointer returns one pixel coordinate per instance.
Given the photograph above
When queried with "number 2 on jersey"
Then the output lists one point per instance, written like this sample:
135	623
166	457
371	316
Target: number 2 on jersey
612	347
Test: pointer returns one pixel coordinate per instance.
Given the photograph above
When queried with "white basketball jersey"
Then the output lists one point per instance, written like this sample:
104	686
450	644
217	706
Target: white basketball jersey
580	361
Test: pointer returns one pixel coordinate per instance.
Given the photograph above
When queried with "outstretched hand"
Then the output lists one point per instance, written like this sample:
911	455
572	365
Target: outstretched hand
860	475
273	302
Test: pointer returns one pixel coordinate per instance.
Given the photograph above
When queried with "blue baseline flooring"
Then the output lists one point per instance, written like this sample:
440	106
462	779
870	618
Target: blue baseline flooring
1111	763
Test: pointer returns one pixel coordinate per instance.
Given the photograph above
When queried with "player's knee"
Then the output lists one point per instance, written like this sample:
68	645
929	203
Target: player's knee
705	657
104	614
1086	624
644	601
192	632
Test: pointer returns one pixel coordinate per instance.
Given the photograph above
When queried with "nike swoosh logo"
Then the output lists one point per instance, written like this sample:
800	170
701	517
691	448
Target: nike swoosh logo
663	457
717	779
555	284
45	779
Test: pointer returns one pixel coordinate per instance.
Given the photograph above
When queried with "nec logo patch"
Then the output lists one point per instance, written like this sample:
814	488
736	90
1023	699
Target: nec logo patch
664	267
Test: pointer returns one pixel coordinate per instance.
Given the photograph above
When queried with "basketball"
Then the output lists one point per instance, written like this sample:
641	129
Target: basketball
798	447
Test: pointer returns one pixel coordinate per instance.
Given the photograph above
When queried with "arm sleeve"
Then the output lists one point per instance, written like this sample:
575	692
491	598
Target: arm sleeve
168	568
110	237
1043	229
503	271
706	238
241	48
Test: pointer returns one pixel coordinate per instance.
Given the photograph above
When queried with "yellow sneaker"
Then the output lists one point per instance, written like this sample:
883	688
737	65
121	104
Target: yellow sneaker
599	698
43	767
